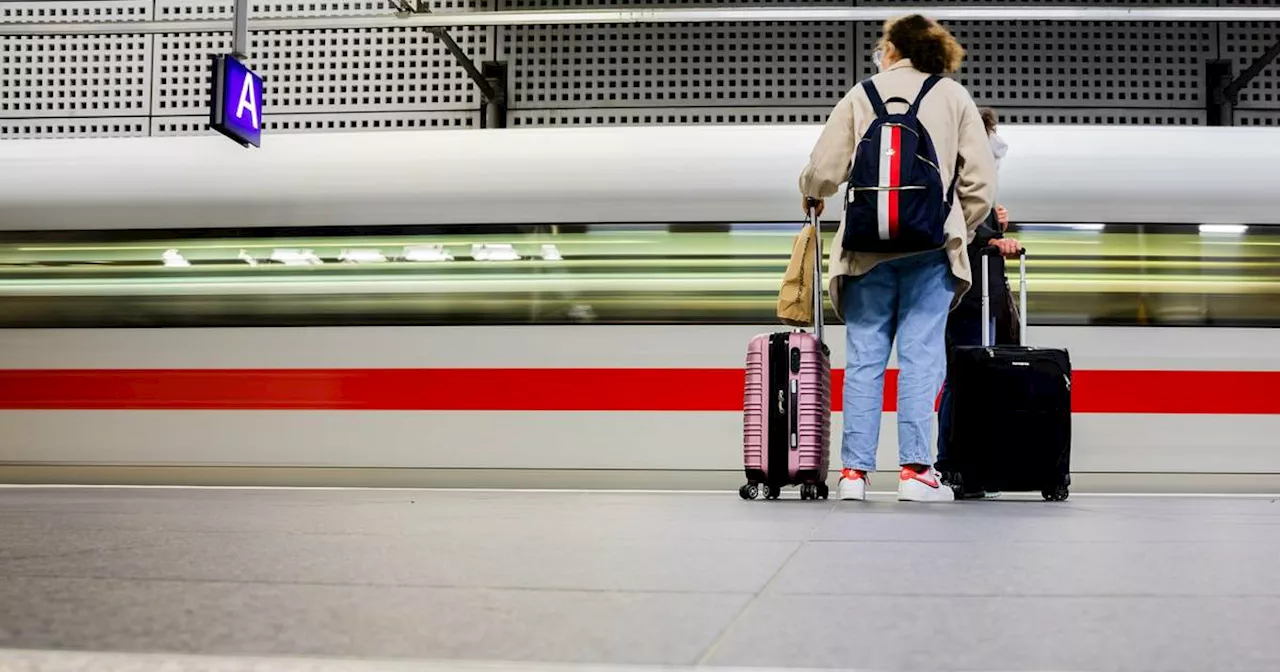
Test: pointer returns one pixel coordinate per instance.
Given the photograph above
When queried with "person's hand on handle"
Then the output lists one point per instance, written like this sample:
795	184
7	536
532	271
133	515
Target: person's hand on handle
812	203
1002	216
1008	246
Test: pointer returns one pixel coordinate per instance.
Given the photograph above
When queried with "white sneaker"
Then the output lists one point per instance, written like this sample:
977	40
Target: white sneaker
922	487
853	485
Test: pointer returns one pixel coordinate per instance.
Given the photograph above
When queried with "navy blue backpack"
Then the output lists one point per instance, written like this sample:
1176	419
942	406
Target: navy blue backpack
895	198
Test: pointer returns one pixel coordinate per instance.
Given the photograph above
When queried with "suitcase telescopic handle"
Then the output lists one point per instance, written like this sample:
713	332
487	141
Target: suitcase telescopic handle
987	253
817	269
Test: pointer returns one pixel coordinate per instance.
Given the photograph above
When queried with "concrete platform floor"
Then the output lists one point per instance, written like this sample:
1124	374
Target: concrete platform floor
245	579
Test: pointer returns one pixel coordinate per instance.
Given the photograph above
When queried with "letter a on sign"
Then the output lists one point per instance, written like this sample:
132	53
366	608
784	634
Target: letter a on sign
236	108
248	103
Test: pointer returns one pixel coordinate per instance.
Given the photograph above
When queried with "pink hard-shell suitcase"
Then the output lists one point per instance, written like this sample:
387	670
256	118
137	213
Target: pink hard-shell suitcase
786	424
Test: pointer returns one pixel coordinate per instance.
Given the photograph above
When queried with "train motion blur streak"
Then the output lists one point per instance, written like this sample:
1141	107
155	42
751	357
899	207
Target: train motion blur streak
570	311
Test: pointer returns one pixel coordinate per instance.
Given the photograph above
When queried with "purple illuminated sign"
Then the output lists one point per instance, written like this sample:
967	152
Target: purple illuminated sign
236	110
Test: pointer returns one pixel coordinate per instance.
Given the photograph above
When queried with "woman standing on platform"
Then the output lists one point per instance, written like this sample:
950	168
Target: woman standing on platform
885	297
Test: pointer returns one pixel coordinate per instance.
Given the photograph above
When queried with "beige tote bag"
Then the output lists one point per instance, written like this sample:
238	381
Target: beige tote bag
795	299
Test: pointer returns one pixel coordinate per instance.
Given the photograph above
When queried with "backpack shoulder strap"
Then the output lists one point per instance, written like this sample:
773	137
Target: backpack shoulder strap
877	105
924	91
955	176
925	88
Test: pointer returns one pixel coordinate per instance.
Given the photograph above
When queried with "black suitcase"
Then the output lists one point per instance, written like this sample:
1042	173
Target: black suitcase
1010	413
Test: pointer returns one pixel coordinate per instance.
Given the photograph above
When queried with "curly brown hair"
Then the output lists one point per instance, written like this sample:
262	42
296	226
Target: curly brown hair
931	48
988	119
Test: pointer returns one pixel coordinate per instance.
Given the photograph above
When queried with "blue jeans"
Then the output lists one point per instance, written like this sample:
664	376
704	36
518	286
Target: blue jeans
908	299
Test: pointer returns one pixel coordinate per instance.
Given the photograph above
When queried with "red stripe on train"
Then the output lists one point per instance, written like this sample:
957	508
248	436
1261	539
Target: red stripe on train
1216	392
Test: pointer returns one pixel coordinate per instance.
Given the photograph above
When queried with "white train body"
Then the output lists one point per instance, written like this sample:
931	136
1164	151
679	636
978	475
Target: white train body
575	405
656	174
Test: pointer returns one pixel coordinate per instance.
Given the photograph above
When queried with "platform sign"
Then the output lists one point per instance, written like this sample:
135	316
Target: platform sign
236	109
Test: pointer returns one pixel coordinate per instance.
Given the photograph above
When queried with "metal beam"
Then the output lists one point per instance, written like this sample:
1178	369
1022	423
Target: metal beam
494	111
1219	111
492	93
486	90
240	33
1232	91
659	15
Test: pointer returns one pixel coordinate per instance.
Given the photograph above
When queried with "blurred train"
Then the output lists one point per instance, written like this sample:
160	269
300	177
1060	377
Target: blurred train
570	307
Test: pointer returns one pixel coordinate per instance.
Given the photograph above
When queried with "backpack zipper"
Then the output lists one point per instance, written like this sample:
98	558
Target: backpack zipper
932	164
852	192
904	127
878	188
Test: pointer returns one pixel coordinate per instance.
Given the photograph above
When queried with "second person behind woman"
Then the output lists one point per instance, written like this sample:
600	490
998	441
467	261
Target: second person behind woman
964	325
884	297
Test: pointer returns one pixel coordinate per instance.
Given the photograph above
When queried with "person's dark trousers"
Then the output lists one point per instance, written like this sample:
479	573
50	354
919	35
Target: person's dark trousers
964	325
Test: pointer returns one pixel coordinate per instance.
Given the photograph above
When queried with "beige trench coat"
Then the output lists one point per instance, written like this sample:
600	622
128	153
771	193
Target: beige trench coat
952	119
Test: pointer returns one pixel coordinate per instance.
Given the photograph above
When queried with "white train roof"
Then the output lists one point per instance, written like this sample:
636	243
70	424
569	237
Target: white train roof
613	174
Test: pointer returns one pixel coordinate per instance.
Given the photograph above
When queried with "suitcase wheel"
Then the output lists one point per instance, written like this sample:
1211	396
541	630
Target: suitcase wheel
955	481
814	491
1058	494
770	492
749	491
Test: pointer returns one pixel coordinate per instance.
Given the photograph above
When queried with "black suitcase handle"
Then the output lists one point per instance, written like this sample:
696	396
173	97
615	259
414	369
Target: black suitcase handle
987	253
818	313
993	251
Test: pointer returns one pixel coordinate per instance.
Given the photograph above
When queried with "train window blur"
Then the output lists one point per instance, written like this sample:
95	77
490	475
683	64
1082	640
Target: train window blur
605	274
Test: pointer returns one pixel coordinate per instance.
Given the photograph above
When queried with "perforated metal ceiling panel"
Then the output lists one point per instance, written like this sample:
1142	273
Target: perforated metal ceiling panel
1063	72
1257	118
59	11
589	4
668	115
1067	65
323	71
178	10
401	77
783	65
74	76
316	123
675	74
1076	72
1063	3
1086	115
1111	65
81	86
1242	43
24	129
